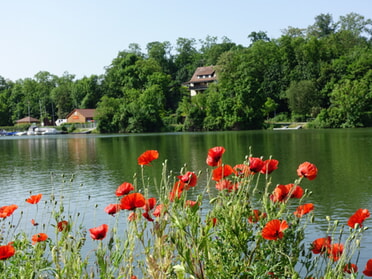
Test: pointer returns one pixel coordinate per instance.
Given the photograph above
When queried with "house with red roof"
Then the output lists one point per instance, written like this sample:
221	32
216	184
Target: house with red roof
81	116
201	79
27	120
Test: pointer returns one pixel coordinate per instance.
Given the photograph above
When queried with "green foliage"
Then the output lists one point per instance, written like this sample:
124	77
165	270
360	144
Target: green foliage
351	99
303	97
106	110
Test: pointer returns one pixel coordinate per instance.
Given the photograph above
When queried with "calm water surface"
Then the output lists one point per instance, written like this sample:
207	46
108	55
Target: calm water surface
99	163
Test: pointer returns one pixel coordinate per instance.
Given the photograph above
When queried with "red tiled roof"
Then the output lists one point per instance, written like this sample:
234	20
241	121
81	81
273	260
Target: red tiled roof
27	119
87	113
203	71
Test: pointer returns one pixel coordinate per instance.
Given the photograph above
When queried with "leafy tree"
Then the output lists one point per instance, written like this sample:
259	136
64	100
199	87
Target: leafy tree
323	26
5	112
356	24
161	53
239	79
293	32
120	74
186	60
214	119
258	36
196	115
211	50
352	99
45	83
144	114
269	106
303	97
106	110
61	95
93	91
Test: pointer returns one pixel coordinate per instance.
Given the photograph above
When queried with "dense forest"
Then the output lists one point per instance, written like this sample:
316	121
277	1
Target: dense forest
321	74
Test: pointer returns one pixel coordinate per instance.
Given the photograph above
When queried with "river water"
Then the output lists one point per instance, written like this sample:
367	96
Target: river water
87	169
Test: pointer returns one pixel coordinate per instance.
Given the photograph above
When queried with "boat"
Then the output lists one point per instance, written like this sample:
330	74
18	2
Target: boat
285	128
46	131
35	130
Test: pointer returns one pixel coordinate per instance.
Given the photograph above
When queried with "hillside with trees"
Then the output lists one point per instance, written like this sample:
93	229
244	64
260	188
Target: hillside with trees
321	73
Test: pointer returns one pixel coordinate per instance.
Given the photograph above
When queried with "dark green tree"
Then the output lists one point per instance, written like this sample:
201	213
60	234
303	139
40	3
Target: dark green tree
356	24
107	114
5	112
46	82
352	100
323	26
62	95
303	98
258	36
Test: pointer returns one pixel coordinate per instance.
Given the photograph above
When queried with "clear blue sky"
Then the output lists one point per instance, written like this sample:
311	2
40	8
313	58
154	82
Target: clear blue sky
84	36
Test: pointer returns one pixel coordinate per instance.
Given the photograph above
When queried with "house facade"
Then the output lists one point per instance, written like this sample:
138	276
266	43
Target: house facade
81	116
202	77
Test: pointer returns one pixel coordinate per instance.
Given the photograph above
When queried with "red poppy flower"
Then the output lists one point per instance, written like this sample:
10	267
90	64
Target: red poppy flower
215	155
190	203
307	170
149	204
6	251
6	211
225	184
295	190
39	237
213	221
112	208
350	268
269	166
62	226
147	216
320	245
255	164
242	170
34	199
98	233
257	215
335	251
177	190
221	172
368	269
147	157
303	209
34	223
274	229
132	201
281	192
158	211
358	217
124	189
189	178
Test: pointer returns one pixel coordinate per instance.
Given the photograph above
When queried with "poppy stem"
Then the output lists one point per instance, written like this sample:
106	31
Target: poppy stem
142	176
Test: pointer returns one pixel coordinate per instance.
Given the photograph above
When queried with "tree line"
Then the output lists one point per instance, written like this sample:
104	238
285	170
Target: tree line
321	73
